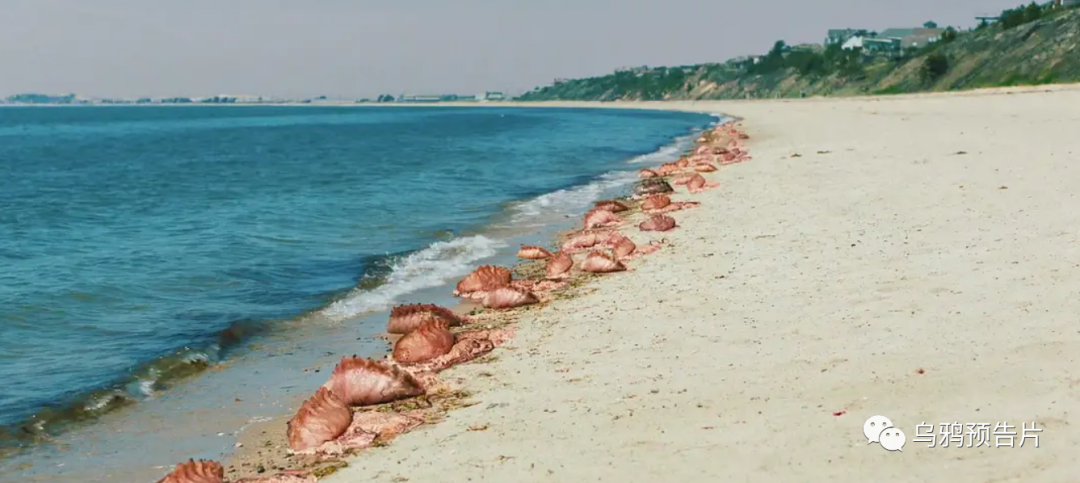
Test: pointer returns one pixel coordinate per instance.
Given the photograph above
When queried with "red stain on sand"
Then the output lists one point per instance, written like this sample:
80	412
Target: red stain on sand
839	413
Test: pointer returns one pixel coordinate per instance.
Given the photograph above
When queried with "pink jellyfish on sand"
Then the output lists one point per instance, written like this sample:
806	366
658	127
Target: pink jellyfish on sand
532	252
483	280
509	297
655	202
431	340
658	223
559	265
613	206
597	262
192	471
598	218
407	318
697	184
358	381
320	419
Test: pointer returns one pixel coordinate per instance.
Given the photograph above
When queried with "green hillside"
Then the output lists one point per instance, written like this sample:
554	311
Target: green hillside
1028	45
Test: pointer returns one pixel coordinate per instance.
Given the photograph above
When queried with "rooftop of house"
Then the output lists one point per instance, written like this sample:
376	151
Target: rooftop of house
907	32
896	32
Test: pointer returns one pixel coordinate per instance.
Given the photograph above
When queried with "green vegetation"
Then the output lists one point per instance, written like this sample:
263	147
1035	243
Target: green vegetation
934	66
1030	45
1018	16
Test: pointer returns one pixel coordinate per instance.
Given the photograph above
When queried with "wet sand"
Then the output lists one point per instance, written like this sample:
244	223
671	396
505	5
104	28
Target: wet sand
914	257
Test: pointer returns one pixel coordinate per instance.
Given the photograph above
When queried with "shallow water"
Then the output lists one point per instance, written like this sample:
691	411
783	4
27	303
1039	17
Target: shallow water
142	245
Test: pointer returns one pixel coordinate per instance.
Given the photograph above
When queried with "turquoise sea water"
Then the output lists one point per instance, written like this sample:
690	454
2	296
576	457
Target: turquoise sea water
141	245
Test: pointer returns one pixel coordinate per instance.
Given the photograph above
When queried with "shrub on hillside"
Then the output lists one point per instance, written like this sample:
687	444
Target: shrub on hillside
934	66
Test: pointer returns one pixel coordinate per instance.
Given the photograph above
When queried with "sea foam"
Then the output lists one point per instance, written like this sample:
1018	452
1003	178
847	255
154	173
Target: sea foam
433	266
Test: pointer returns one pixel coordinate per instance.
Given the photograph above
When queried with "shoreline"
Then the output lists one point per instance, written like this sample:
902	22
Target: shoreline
263	447
910	258
502	227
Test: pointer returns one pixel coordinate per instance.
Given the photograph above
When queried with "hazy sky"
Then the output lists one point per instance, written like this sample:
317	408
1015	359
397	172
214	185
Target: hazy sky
360	48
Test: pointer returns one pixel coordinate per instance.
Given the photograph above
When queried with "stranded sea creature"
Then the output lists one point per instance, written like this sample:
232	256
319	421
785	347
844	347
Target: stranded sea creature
406	318
597	262
532	252
658	223
362	382
559	265
508	297
321	418
483	280
431	340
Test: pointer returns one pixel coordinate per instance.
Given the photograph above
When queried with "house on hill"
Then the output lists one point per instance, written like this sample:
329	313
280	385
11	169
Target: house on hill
894	40
839	36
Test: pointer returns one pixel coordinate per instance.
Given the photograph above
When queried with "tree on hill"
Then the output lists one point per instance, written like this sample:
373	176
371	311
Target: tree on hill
930	24
934	66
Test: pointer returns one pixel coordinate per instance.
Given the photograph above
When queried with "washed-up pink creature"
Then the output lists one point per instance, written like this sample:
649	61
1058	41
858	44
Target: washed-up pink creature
590	239
431	340
658	223
598	262
647	173
469	346
667	169
192	471
204	471
407	318
287	476
655	202
320	419
509	297
532	252
624	248
483	280
704	168
559	265
662	204
358	381
681	179
613	206
598	218
583	240
697	184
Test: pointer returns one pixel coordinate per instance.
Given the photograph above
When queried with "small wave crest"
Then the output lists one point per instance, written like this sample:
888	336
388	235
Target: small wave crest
570	200
431	267
667	152
722	118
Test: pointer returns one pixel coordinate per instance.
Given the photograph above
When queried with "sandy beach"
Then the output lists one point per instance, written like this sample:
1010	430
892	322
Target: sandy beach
913	257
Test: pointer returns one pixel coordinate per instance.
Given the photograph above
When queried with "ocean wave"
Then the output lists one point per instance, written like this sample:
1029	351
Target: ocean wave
667	152
431	267
570	200
573	201
722	118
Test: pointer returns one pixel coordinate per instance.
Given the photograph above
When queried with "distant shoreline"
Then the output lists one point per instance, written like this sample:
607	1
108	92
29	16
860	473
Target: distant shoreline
671	105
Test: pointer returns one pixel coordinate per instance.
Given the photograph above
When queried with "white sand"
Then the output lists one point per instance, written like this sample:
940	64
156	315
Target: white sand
805	286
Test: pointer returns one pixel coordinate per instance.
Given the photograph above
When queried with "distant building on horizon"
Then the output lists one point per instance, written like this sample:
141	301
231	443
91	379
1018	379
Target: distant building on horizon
839	36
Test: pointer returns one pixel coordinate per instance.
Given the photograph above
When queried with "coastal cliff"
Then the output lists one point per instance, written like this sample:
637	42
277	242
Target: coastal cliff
1041	51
